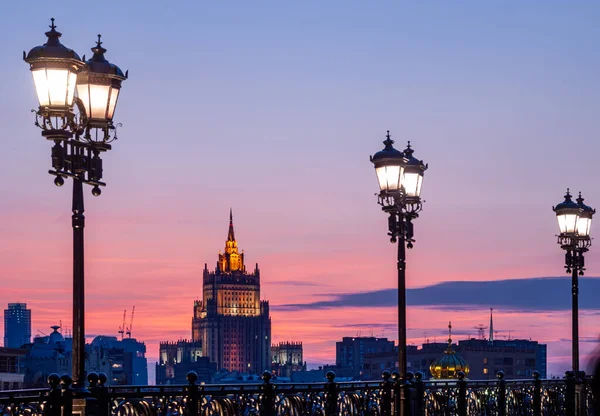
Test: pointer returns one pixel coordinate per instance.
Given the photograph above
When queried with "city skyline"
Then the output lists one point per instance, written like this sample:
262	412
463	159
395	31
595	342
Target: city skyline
276	104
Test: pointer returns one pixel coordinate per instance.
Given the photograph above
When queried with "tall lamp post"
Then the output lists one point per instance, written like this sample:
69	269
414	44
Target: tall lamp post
78	141
400	176
574	222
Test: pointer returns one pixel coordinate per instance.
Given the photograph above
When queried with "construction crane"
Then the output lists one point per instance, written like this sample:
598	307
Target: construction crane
130	323
122	327
481	330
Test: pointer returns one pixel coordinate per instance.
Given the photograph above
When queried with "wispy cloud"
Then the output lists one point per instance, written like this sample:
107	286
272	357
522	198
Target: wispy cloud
529	294
294	283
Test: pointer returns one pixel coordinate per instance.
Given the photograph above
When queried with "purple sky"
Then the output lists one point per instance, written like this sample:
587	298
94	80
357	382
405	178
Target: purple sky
273	108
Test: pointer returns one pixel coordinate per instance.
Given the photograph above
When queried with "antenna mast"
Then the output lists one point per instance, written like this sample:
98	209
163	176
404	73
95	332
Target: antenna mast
480	329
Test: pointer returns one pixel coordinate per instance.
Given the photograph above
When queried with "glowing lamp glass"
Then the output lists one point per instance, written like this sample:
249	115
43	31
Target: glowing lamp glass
567	222
389	177
584	224
99	101
412	184
54	87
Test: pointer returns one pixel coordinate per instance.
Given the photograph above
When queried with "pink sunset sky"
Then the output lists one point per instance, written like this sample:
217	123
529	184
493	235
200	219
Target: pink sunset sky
273	110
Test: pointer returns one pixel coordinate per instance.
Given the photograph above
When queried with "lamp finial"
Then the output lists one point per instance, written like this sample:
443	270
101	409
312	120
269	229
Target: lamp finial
388	142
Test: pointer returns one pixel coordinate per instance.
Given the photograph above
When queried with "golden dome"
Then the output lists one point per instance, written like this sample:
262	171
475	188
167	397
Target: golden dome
450	364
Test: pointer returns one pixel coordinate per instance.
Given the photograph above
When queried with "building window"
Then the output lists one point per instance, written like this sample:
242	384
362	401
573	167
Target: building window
485	371
485	361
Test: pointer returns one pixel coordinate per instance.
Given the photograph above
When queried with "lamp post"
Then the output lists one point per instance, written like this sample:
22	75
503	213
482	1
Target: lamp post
78	141
574	222
400	176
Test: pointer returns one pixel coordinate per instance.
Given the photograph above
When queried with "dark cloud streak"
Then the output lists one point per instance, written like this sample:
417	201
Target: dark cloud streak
530	294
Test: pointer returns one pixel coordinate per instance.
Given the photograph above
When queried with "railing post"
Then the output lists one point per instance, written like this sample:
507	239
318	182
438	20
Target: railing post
420	394
89	405
462	394
570	394
537	394
580	393
331	394
53	405
67	395
386	394
501	393
267	402
191	408
408	393
101	394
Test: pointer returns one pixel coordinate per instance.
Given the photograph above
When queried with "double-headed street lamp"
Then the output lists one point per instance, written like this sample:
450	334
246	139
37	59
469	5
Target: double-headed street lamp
400	177
574	222
78	139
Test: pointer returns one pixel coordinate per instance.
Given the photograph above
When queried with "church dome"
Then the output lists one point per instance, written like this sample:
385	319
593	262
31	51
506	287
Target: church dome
450	364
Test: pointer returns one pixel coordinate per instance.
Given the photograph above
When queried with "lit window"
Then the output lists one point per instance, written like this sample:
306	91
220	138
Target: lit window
485	371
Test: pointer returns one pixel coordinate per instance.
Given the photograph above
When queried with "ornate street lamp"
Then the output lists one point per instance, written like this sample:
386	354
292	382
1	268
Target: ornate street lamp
389	167
574	223
54	68
79	139
400	177
584	222
98	86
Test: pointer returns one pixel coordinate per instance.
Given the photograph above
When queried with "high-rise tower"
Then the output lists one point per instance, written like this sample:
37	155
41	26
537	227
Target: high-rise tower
17	325
231	321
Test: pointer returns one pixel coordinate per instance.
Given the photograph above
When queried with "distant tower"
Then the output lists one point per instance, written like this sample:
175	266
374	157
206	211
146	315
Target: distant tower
491	325
17	325
231	321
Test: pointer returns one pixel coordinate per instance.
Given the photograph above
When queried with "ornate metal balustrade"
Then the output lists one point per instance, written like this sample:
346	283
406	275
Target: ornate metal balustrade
536	397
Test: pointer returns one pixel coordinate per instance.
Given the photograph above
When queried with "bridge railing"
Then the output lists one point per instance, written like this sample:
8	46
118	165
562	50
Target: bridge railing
569	396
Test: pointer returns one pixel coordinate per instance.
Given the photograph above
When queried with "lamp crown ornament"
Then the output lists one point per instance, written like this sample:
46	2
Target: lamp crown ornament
99	64
53	35
408	151
52	49
98	50
388	142
584	207
567	203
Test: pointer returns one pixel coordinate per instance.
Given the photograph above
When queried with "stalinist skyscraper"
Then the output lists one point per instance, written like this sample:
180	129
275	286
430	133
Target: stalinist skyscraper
231	321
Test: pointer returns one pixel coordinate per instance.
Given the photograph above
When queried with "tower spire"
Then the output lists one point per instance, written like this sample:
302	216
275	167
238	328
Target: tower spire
491	338
230	235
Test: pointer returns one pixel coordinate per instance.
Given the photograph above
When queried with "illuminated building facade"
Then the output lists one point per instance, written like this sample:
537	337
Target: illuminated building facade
177	359
287	358
231	322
